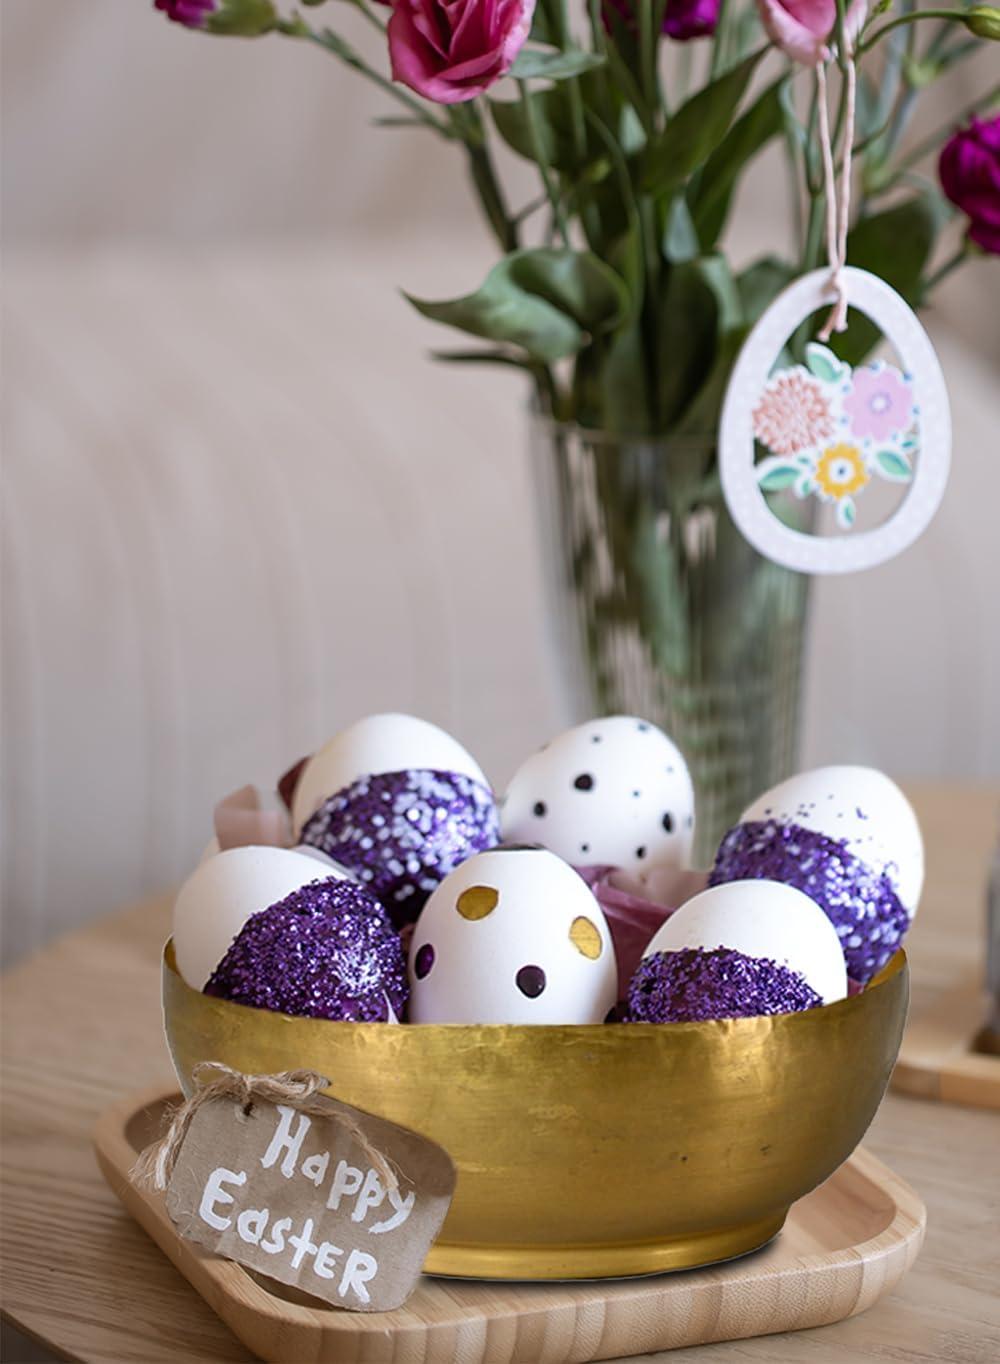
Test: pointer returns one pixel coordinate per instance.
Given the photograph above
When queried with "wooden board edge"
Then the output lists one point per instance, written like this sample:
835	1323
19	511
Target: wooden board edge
272	1326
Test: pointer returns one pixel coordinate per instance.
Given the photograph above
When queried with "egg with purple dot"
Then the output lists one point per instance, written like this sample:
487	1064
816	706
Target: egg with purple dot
612	792
328	950
848	838
735	951
223	891
513	935
399	803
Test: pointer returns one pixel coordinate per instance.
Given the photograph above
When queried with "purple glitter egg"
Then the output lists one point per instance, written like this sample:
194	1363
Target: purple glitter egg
860	901
327	950
401	833
693	985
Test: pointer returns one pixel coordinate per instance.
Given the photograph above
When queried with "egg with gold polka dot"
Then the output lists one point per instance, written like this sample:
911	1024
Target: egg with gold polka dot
513	935
612	792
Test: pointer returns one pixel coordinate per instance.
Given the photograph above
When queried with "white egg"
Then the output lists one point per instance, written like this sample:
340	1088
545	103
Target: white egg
613	792
378	743
211	849
860	807
513	935
763	919
221	894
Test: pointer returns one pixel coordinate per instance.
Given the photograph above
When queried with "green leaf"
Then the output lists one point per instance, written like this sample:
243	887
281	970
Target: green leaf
552	119
823	363
760	284
680	240
894	466
481	357
775	474
895	245
748	135
687	332
624	393
553	65
846	512
696	129
546	300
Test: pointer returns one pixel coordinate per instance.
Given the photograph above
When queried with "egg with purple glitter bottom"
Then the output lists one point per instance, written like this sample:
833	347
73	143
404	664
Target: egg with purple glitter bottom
397	802
514	935
848	838
373	745
327	950
748	948
223	891
612	792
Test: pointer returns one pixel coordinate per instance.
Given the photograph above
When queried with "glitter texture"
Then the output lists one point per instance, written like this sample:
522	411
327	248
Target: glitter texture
327	950
694	985
860	901
401	833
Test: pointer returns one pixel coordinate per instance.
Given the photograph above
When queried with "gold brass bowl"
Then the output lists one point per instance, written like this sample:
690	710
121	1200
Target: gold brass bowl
598	1151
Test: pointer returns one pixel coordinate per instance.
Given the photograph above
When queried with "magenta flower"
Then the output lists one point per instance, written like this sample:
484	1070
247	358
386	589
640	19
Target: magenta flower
686	19
241	18
801	28
969	170
453	50
880	403
682	19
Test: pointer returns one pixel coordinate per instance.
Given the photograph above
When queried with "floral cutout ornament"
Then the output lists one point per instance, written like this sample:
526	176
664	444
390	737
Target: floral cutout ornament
830	429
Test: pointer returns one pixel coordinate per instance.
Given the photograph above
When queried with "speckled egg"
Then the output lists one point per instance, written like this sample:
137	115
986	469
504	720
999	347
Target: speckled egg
611	792
848	838
512	936
223	891
399	803
737	951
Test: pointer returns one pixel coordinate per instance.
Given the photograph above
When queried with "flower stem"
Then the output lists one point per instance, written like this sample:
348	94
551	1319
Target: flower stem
468	124
333	42
542	160
932	281
957	15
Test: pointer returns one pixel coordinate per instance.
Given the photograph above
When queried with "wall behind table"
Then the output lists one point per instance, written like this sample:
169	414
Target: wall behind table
240	505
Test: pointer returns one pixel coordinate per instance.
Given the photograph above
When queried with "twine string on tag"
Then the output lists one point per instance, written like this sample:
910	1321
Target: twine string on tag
838	207
297	1088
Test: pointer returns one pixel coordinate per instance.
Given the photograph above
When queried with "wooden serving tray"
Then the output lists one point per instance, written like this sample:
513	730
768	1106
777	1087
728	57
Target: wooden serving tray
843	1246
938	1058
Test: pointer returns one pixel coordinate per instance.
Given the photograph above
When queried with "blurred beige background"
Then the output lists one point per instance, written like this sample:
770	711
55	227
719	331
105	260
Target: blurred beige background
241	507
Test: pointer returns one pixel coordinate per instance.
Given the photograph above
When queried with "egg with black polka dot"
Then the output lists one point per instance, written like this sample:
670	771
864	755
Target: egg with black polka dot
612	792
513	935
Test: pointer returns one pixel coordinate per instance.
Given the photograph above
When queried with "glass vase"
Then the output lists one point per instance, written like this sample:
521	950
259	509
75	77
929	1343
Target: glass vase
663	610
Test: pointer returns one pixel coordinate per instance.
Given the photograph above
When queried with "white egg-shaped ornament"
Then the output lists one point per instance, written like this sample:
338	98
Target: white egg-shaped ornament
738	951
848	838
512	936
399	803
612	792
273	929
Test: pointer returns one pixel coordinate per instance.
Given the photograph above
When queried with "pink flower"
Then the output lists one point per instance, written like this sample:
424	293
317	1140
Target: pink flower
453	50
969	170
792	414
801	27
880	403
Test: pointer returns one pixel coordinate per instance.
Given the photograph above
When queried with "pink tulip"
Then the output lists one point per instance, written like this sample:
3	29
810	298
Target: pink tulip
801	28
453	50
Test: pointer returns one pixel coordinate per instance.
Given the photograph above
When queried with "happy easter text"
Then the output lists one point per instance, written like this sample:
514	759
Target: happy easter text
352	1191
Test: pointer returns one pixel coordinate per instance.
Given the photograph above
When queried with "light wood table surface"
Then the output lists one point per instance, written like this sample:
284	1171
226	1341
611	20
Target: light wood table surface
81	1028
